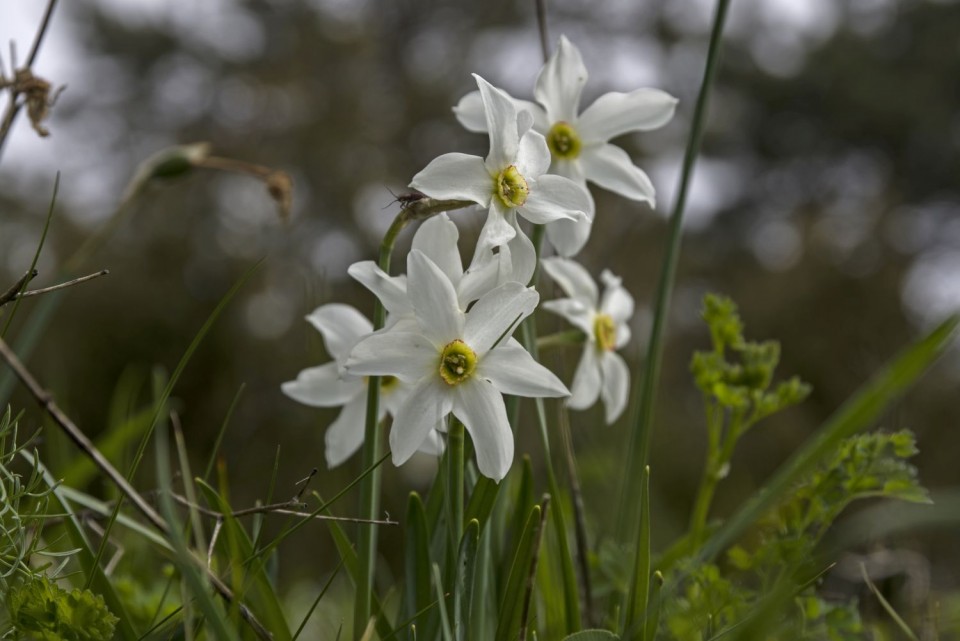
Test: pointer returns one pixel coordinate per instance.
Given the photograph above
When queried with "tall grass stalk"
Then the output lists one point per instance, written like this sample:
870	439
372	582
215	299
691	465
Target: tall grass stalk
645	386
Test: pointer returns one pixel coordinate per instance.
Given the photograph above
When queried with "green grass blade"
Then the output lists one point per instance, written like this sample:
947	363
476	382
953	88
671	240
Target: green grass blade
904	628
105	509
571	589
82	470
197	585
645	386
593	635
223	430
36	254
417	590
638	598
463	588
348	555
511	606
858	412
481	501
481	615
447	635
264	600
652	621
316	602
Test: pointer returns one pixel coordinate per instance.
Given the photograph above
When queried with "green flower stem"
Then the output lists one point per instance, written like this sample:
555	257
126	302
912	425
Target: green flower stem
528	333
455	440
569	338
645	386
372	444
715	470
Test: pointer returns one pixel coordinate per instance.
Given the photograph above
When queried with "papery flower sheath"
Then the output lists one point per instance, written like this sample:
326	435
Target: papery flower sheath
329	385
457	362
579	142
601	372
511	181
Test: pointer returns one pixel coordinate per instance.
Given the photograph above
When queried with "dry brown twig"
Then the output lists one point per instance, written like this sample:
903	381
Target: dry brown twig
38	94
17	290
278	182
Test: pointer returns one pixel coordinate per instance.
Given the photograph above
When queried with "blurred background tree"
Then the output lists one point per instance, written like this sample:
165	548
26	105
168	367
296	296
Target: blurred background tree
826	204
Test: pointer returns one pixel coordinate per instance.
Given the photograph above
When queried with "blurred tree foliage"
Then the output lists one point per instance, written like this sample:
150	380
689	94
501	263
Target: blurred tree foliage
827	207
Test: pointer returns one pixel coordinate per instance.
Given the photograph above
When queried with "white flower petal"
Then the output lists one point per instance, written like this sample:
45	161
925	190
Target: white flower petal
469	111
323	386
479	278
470	114
586	380
513	371
616	385
518	259
437	239
568	237
481	410
560	82
341	326
391	290
496	313
434	299
501	126
433	444
569	169
572	278
345	435
617	302
615	113
533	155
406	355
553	198
575	311
455	177
611	168
623	335
497	229
394	395
429	402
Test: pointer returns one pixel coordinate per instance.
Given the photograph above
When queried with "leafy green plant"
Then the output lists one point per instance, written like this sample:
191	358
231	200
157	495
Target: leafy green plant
40	610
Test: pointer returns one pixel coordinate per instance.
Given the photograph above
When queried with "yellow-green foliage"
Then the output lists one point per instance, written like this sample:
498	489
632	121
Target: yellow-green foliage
39	610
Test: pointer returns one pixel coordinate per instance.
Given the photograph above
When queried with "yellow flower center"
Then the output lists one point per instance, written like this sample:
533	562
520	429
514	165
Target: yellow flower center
457	362
512	187
563	141
605	331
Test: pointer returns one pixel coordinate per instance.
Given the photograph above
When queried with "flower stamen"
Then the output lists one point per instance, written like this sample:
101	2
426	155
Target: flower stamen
605	332
457	362
512	187
563	141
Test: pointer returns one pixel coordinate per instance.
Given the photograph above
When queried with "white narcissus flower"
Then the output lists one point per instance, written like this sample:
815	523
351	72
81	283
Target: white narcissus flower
511	180
437	239
458	362
579	142
329	386
601	371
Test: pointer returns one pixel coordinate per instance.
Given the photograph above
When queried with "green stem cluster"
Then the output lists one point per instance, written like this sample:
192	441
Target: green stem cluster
720	447
372	444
